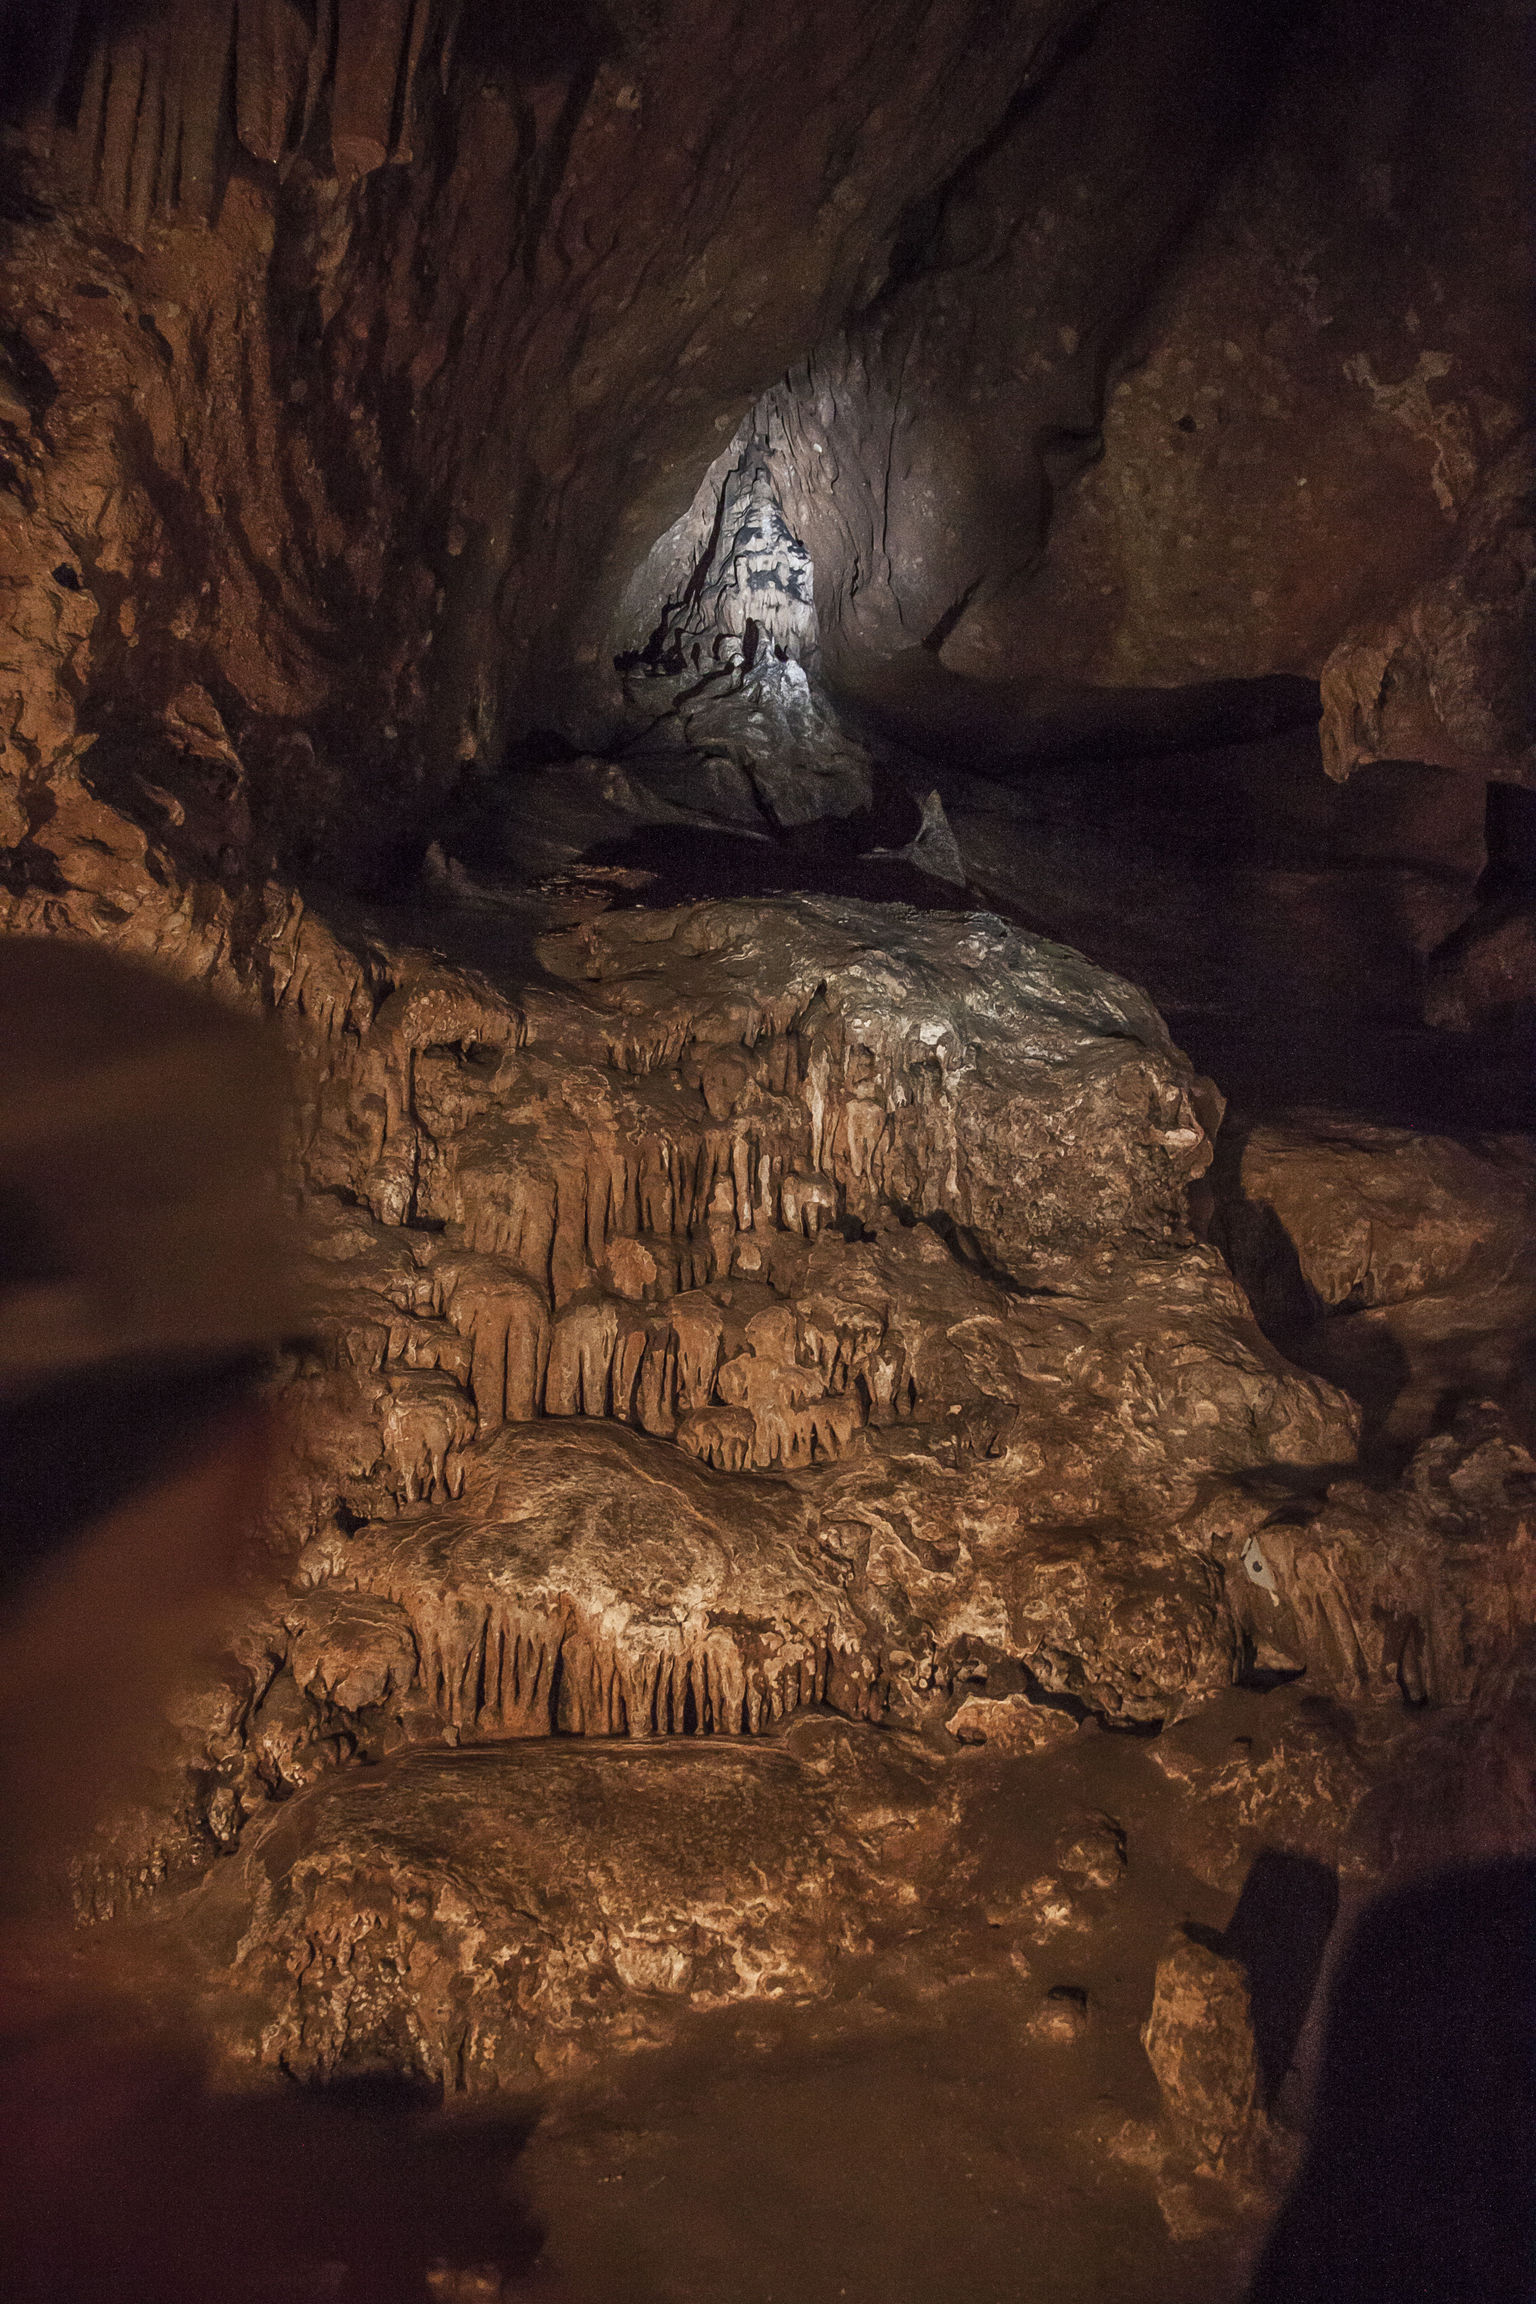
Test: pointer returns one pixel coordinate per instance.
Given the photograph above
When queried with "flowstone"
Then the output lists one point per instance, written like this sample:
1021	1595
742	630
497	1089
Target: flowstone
727	1318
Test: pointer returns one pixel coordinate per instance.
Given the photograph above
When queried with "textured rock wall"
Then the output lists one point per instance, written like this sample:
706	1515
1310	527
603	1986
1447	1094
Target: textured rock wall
1210	362
357	358
924	446
760	1306
1328	378
824	1231
368	349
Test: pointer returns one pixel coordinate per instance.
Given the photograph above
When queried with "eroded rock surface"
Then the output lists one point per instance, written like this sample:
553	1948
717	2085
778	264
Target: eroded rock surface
764	1306
1399	1263
782	1488
1419	1591
732	1317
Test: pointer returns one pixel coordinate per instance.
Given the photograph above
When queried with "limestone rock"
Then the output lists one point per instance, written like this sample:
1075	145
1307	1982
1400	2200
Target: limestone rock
479	1918
1377	1215
1093	1855
1009	1724
1298	1779
1062	2017
1485	973
1399	1264
1421	1590
1447	680
1200	2043
1286	408
843	1244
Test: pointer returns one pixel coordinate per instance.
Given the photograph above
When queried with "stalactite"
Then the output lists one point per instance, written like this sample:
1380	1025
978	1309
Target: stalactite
807	1202
698	1327
425	1426
491	1666
581	1355
506	1321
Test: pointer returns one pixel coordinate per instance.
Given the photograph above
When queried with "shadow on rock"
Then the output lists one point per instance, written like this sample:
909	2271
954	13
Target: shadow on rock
1418	2177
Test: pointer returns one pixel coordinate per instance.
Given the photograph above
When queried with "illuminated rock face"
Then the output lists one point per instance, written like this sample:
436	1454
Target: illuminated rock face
747	1313
752	589
741	1316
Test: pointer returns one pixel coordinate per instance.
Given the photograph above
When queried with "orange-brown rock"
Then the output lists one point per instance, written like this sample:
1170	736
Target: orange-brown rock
1399	1263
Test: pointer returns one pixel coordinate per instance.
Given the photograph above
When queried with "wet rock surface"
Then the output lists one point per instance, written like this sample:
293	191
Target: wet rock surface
952	1953
1398	1260
730	1322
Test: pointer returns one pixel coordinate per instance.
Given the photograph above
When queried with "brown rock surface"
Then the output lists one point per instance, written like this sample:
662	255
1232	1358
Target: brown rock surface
1333	358
1419	1591
464	1917
786	1519
1399	1263
1448	678
730	1322
1199	2041
1485	973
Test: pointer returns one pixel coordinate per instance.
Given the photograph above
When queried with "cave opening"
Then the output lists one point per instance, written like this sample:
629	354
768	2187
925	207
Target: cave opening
852	686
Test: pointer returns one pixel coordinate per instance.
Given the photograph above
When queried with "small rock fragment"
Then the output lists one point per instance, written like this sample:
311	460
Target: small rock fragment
1093	1856
1011	1724
1199	2041
1062	2015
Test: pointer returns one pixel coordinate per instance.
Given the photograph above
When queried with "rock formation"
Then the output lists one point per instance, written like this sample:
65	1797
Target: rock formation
692	601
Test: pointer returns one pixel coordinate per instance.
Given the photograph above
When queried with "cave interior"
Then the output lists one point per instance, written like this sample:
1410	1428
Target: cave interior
854	680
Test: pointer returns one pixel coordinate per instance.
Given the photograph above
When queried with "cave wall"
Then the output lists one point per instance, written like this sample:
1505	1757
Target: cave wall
1210	363
356	357
368	347
1214	364
1324	380
922	448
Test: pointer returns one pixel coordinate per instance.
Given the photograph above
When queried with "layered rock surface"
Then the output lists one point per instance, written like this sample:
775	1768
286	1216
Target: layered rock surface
763	1306
728	1316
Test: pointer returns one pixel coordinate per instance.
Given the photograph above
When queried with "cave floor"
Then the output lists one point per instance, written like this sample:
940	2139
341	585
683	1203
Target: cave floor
791	2162
970	2110
908	2142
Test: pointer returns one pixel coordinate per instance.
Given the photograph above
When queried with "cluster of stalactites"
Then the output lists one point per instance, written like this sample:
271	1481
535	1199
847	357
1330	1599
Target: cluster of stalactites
775	1392
589	1277
497	1667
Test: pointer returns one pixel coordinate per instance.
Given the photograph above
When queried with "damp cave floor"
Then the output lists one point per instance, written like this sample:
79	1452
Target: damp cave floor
913	2135
902	2143
785	2164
